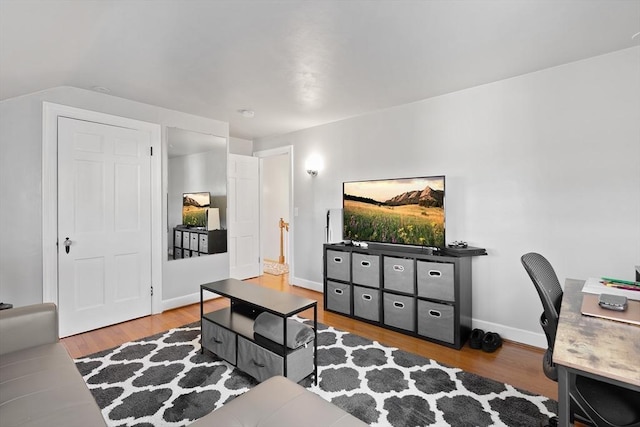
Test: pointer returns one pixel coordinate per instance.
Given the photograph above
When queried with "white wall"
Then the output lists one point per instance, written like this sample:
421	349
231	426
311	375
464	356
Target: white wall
21	197
546	162
244	147
275	203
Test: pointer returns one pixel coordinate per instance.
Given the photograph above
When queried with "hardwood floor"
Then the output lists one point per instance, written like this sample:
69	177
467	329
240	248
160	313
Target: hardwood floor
514	363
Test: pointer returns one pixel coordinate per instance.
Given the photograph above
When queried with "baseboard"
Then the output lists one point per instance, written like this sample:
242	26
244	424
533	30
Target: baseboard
512	334
308	284
170	304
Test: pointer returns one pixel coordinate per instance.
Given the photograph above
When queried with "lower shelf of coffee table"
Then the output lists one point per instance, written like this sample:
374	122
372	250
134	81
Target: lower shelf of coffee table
229	334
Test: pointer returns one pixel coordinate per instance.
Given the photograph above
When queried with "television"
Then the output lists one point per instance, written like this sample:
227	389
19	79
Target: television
194	209
405	211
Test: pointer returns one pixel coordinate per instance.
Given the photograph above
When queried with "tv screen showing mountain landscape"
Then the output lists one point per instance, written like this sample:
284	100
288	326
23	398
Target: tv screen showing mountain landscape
406	211
194	209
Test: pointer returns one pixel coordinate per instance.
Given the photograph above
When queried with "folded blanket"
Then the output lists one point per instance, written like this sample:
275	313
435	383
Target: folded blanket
270	326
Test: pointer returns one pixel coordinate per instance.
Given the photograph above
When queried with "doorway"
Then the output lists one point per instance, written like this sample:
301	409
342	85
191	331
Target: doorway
276	210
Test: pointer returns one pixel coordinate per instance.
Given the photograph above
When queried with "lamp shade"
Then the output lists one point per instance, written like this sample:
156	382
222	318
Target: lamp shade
213	219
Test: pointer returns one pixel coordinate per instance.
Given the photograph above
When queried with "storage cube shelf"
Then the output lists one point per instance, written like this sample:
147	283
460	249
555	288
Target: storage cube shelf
189	243
401	288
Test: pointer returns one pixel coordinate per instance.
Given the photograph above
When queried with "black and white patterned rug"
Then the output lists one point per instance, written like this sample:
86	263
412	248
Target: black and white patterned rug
164	380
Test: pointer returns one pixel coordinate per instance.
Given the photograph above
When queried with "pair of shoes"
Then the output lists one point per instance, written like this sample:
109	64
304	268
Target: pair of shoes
475	340
488	342
491	342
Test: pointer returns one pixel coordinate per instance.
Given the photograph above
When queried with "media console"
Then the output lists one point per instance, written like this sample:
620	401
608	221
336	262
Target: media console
400	288
192	242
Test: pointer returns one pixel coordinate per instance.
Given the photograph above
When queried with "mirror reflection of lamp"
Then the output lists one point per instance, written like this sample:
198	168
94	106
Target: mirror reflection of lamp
313	164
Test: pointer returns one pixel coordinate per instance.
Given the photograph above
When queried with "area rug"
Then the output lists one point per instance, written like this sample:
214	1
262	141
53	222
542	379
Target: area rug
275	268
164	380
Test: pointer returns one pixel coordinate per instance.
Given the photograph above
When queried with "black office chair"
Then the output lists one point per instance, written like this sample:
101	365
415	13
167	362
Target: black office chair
593	402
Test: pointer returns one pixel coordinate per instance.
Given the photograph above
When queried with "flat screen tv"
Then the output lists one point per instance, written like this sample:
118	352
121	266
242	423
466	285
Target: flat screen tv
407	211
194	209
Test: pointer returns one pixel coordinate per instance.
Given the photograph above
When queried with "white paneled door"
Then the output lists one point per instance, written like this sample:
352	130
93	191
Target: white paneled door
244	216
104	225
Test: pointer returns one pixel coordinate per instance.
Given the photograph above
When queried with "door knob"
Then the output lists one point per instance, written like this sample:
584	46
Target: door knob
67	244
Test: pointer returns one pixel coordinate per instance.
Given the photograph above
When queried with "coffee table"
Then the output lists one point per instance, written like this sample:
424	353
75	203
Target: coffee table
228	332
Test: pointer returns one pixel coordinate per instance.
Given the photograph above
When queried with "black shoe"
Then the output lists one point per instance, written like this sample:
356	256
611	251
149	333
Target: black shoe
491	342
475	341
553	422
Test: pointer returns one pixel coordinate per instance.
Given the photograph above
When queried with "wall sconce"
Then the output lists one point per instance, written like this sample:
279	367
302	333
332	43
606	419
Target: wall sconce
313	165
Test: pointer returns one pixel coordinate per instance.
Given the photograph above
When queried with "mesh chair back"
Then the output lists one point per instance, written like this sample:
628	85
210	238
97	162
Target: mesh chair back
546	282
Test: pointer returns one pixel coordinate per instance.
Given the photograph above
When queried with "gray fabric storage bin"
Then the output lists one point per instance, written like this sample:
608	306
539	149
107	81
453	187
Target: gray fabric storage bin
262	364
436	321
436	281
366	303
399	311
194	241
399	274
338	265
339	297
366	270
219	340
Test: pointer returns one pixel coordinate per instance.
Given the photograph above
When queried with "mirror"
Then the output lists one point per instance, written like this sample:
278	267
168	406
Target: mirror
196	194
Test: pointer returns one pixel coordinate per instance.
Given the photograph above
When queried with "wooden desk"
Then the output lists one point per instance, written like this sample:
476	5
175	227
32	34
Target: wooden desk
603	349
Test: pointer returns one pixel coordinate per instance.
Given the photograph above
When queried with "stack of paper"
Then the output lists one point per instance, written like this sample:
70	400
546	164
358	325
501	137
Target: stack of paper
600	286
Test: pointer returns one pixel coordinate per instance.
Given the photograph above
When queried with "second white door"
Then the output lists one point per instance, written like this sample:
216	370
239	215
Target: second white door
244	216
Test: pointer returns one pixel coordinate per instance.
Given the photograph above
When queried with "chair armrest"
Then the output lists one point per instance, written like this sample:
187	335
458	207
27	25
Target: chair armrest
29	326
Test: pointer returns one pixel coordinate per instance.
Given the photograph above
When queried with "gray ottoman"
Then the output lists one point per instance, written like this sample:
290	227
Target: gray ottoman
279	402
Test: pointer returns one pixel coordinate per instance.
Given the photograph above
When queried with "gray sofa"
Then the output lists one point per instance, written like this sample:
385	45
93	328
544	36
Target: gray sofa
39	382
40	385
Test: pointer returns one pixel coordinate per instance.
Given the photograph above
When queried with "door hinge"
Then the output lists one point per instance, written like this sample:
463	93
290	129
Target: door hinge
151	150
151	290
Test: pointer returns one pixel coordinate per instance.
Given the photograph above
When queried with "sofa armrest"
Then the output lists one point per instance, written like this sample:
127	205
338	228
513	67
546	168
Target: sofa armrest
29	326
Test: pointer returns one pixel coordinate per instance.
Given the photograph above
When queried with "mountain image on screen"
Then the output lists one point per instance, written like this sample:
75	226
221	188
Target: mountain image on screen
194	209
400	211
427	198
190	201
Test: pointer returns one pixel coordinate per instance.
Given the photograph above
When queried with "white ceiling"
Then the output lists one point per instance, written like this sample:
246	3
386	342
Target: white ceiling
296	63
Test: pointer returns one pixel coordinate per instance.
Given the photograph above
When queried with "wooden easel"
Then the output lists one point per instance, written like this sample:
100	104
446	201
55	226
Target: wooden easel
283	226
